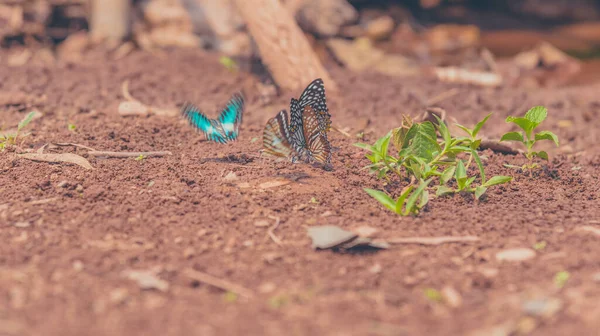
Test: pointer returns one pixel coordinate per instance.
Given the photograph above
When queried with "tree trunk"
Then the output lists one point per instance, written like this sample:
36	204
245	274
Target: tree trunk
110	19
283	47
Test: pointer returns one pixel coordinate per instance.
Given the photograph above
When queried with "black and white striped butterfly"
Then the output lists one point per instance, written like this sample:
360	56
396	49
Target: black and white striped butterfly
306	136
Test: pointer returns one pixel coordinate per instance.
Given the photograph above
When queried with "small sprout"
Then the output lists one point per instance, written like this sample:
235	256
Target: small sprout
313	200
229	63
532	119
561	278
230	297
141	157
71	127
278	301
11	138
539	246
433	295
360	135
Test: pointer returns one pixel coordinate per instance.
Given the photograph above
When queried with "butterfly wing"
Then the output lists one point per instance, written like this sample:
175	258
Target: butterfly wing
296	128
230	118
276	136
314	96
318	147
210	128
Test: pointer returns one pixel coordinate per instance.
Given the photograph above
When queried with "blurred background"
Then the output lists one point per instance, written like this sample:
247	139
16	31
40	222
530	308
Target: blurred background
486	42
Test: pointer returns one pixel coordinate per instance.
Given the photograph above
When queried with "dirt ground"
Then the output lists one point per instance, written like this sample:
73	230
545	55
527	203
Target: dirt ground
73	238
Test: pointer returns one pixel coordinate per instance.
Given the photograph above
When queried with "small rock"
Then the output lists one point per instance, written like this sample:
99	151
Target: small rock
328	236
266	288
147	280
375	269
79	188
271	257
596	277
452	297
544	307
380	28
516	254
327	213
77	265
132	108
189	252
489	272
118	295
248	243
22	225
62	184
230	177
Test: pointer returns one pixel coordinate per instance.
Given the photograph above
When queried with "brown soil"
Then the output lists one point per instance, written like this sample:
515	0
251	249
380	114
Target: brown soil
65	248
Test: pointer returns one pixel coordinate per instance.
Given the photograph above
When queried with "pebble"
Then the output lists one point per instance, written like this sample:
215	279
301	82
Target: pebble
22	225
380	28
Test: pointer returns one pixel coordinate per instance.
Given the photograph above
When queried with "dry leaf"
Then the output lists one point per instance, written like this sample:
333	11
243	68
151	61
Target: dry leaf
133	108
57	158
328	236
433	240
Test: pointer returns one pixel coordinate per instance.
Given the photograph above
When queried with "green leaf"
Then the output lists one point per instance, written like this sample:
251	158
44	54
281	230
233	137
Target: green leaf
382	197
423	140
364	146
401	198
479	125
461	172
444	132
26	120
443	190
479	191
447	174
465	129
512	136
542	155
561	278
525	124
410	202
479	165
383	149
546	135
536	115
424	199
469	181
433	295
497	180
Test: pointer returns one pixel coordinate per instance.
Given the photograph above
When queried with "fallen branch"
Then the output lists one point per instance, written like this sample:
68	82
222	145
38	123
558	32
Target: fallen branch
218	283
57	158
128	154
432	240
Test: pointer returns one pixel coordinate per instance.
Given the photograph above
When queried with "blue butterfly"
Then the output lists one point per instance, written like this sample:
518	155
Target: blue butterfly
223	129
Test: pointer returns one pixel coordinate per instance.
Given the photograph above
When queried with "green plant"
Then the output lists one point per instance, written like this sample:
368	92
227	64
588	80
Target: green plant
229	64
532	119
406	204
428	151
11	138
140	157
71	127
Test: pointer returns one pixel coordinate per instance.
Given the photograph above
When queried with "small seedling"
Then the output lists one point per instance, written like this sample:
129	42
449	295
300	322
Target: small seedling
71	127
561	278
11	138
433	295
532	119
539	246
141	157
313	200
229	63
230	297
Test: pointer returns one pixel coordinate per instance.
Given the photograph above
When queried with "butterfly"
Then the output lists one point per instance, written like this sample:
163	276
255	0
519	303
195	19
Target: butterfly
305	137
223	129
277	140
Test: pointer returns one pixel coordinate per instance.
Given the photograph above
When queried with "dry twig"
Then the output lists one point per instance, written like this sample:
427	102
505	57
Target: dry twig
271	231
218	283
432	240
128	154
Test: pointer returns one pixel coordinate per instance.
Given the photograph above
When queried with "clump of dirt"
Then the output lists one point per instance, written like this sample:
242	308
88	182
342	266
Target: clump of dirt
74	237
